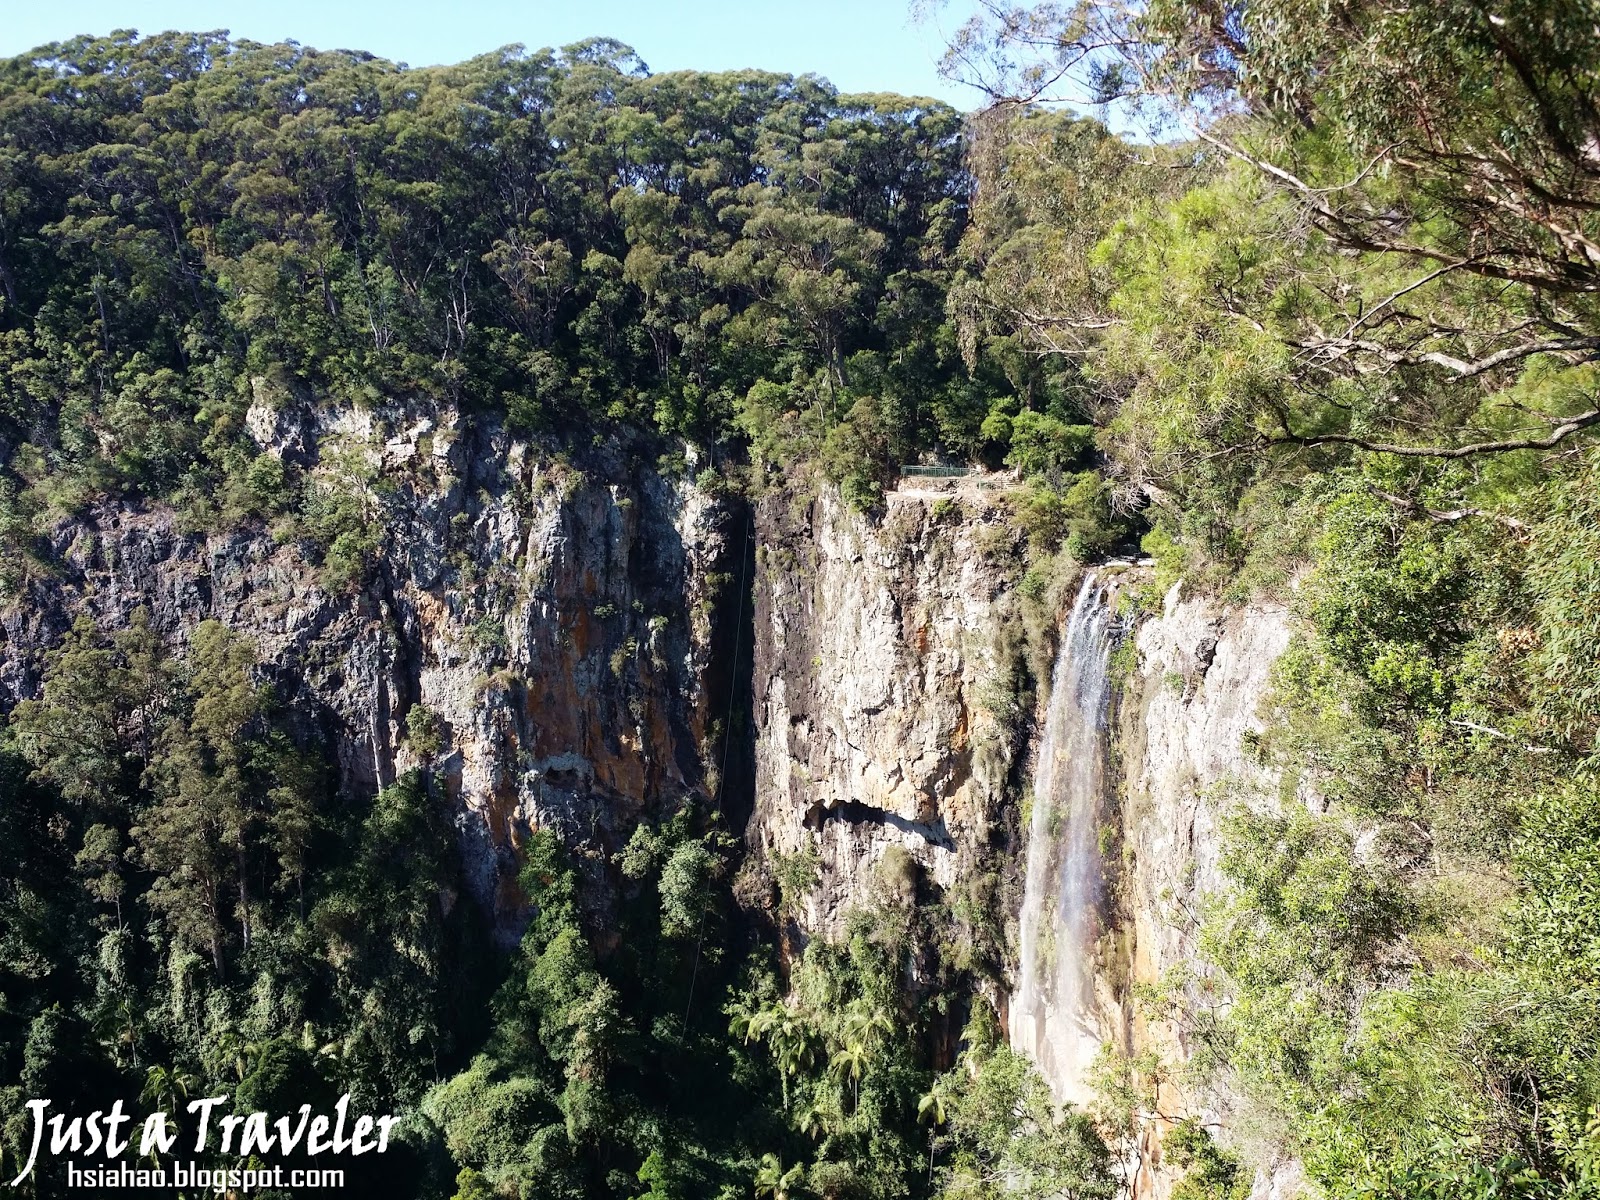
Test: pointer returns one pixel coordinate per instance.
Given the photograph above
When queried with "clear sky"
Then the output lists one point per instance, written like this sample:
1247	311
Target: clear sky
861	45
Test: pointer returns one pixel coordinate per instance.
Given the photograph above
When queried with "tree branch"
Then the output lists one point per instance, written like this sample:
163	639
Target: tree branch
1340	346
1527	268
1406	504
1568	427
1530	747
1393	296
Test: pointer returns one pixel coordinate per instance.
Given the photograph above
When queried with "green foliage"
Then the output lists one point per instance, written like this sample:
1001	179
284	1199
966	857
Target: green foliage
1368	948
424	731
1302	909
1566	595
598	1060
1073	514
697	247
1209	1172
1042	445
685	884
796	875
1003	1137
193	908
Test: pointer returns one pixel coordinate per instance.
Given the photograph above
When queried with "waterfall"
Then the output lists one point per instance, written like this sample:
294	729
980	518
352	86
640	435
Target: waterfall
1053	1012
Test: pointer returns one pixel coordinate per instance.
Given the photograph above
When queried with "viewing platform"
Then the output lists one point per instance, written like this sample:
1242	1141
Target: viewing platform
944	481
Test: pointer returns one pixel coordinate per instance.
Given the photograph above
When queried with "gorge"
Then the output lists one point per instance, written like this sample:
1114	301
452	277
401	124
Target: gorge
876	737
693	634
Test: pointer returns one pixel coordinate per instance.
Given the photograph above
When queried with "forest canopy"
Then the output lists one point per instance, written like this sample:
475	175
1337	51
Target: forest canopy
189	223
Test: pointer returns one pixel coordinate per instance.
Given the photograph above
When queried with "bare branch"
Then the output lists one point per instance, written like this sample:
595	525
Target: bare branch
1568	427
1390	299
1504	737
1406	504
1339	347
1362	174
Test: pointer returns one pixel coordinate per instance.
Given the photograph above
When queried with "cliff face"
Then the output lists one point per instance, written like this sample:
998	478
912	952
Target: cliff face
1187	715
878	723
579	629
567	622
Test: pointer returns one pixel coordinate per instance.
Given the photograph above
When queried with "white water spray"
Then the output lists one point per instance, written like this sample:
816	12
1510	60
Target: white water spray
1053	1012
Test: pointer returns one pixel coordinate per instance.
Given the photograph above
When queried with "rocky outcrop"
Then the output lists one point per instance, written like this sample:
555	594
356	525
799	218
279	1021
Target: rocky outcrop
877	714
880	726
1188	717
567	621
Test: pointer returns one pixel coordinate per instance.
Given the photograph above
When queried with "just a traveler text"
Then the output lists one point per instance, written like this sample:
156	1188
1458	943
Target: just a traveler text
104	1132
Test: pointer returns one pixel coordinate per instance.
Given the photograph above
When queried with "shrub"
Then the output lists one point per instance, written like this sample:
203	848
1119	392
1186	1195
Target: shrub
1044	445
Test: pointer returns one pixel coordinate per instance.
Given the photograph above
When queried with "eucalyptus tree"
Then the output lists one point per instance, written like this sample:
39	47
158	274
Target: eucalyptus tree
1397	252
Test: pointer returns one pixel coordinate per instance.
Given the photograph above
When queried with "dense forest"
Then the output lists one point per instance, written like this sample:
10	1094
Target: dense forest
566	239
1327	333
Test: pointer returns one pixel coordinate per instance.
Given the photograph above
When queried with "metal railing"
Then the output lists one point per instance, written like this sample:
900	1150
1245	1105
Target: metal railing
918	471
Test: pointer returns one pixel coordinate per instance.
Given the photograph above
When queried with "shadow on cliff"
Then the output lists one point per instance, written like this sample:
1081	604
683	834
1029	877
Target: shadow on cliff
731	677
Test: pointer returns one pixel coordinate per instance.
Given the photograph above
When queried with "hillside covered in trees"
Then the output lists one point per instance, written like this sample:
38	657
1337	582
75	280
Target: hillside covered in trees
1329	337
564	239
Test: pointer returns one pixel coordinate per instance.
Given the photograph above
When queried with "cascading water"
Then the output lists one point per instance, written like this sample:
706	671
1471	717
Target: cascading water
1053	1017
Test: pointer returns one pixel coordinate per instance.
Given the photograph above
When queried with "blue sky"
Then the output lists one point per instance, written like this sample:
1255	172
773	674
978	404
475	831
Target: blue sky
861	45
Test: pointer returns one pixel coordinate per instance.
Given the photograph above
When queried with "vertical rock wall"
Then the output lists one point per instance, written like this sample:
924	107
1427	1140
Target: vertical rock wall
1188	714
878	725
877	720
575	626
567	619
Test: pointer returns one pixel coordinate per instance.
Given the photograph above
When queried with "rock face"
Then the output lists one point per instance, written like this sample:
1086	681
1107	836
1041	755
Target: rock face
879	725
567	622
596	641
1188	713
877	720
